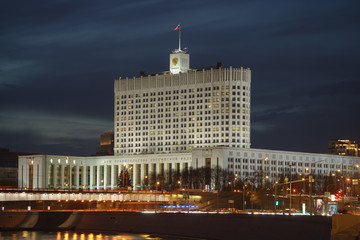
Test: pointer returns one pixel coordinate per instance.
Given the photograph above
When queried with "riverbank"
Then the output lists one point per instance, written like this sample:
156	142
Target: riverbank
206	226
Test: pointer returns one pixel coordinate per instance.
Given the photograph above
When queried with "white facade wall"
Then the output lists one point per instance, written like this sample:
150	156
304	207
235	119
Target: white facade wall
63	172
179	112
244	163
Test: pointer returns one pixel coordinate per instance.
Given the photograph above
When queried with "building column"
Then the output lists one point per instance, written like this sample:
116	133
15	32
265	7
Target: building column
133	173
54	175
112	168
84	178
181	167
117	173
152	171
70	175
169	167
98	177
105	177
142	174
77	176
91	177
138	175
62	176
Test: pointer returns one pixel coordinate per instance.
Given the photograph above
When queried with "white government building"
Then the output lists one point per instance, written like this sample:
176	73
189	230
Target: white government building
175	120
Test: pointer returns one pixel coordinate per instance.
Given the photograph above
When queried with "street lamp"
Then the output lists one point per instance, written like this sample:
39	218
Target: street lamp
157	183
266	161
244	196
123	182
235	179
146	182
275	196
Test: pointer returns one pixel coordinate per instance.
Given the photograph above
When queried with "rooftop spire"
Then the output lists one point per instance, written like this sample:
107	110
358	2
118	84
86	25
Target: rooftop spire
178	27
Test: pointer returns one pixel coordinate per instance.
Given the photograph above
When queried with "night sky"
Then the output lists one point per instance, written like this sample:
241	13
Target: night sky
58	61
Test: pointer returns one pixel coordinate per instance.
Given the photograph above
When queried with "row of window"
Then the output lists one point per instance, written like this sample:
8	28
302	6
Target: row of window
292	166
289	157
169	136
191	90
279	174
190	119
170	149
144	142
197	96
174	103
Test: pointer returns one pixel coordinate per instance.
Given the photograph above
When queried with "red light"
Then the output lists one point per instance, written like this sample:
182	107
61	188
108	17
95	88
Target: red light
294	190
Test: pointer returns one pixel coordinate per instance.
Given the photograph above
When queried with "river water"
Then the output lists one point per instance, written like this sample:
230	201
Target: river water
70	235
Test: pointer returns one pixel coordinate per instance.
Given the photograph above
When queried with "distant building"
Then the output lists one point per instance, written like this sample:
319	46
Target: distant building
344	147
9	167
106	144
8	177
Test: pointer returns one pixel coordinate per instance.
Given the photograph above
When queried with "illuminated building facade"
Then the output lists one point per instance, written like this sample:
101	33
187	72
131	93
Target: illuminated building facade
68	172
98	172
168	113
344	147
175	120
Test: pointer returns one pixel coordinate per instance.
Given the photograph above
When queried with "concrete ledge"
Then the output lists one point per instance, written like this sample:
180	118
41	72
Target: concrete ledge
345	227
206	226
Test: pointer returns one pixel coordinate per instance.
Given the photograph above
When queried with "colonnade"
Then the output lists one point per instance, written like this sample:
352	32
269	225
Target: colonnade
106	176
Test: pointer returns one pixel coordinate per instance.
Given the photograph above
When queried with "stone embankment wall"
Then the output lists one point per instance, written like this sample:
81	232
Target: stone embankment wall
345	227
205	226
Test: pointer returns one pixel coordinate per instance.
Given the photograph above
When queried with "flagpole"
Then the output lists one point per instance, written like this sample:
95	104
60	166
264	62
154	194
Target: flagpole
179	38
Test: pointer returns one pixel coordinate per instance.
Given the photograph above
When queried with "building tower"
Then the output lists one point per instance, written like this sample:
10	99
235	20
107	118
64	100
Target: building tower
179	59
182	109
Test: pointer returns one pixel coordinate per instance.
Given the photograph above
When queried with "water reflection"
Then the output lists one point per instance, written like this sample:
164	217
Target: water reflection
70	235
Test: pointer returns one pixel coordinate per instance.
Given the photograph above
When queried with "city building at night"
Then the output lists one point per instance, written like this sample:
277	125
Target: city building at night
106	144
9	167
344	147
50	171
168	113
174	120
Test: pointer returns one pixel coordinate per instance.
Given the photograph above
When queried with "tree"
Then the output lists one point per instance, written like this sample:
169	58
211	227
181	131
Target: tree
216	177
184	178
152	180
124	180
176	178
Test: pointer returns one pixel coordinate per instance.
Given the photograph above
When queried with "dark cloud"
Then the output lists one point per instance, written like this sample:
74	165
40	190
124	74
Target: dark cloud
59	60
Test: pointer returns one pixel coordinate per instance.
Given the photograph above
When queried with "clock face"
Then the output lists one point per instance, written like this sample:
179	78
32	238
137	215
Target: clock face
175	61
